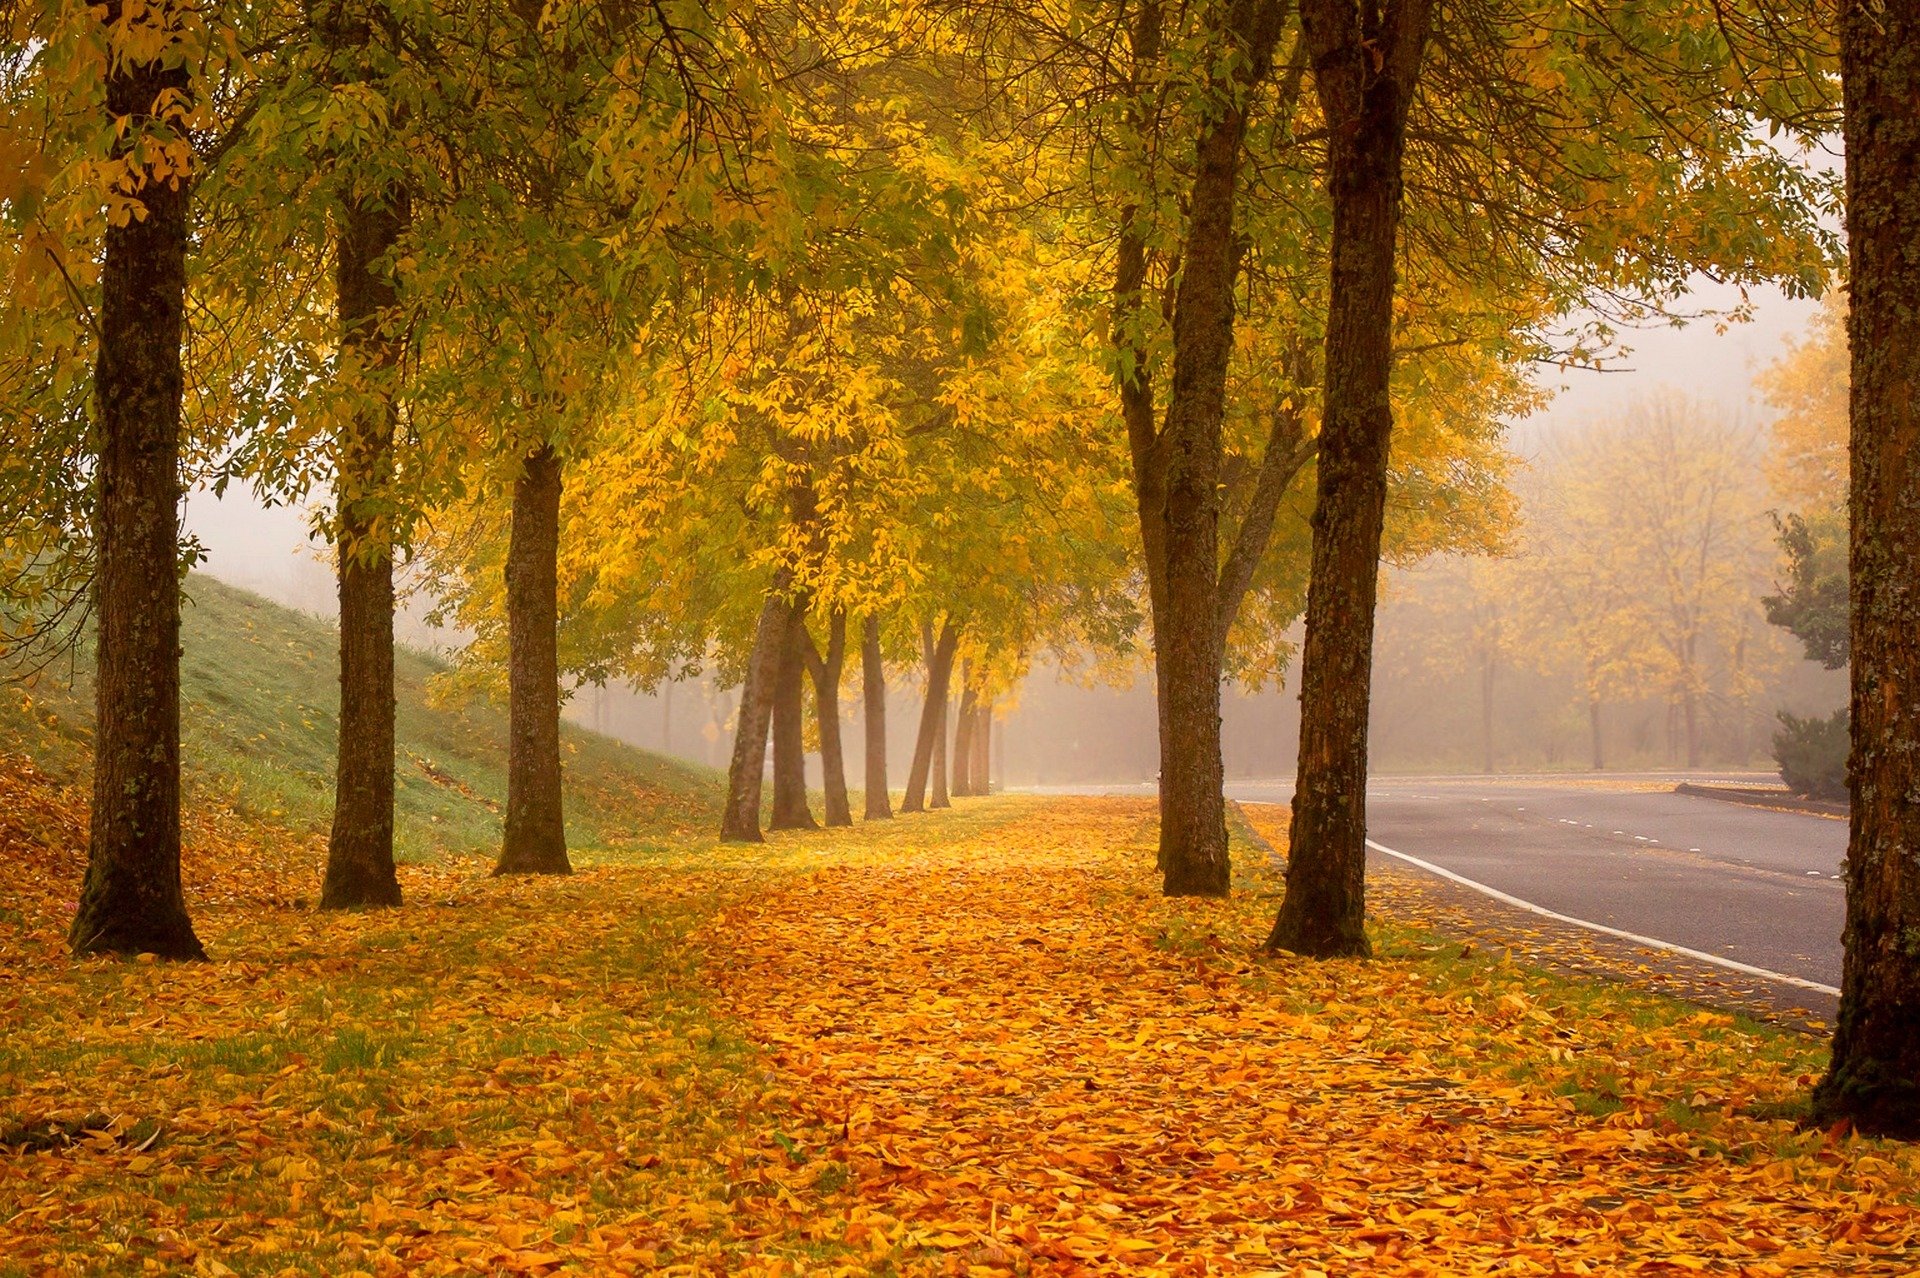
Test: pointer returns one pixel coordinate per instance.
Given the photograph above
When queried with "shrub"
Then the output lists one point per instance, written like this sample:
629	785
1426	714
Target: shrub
1812	754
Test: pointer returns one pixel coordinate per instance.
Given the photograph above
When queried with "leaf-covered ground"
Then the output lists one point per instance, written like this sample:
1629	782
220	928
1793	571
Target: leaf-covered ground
975	1042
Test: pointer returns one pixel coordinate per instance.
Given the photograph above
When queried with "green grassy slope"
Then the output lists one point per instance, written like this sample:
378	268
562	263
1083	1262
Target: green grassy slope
259	697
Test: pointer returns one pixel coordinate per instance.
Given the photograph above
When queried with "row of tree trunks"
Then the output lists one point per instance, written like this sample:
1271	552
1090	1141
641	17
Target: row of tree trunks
771	700
972	739
131	901
1365	75
931	740
535	840
790	810
1874	1078
873	673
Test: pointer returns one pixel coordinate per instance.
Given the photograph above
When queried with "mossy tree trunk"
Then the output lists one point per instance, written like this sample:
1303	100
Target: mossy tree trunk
1177	466
1874	1078
1364	73
360	869
131	901
370	225
535	841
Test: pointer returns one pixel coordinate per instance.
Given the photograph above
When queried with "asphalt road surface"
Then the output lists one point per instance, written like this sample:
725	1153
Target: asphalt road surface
1750	885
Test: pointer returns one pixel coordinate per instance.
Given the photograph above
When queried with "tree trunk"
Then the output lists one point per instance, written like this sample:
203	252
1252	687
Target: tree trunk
941	796
536	831
740	820
1593	727
1874	1078
1690	712
131	901
873	673
826	672
360	868
1365	78
1486	717
1177	476
939	675
963	743
983	748
790	811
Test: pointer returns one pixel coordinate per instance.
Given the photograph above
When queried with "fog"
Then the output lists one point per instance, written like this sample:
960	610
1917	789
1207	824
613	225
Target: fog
1426	717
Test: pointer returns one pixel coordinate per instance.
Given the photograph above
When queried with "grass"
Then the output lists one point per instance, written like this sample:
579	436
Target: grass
259	720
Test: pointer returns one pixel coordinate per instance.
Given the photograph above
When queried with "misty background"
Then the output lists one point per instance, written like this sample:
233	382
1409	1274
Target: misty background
1459	684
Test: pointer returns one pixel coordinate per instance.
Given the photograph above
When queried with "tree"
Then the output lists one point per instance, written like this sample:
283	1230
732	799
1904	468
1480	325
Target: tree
873	702
1808	471
360	869
535	838
1812	604
1874	1078
826	670
790	810
740	820
1366	62
131	901
374	212
1562	221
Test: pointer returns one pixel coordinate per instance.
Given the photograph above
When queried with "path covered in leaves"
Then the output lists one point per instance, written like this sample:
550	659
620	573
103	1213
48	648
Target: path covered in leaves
975	1042
1027	1059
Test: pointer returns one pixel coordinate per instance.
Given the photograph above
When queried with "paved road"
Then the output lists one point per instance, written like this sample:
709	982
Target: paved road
1756	886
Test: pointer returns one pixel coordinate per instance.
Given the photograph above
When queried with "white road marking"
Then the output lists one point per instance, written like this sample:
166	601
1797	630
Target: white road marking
1636	938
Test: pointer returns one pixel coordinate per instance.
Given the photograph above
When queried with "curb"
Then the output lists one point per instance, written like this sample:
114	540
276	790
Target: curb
1778	800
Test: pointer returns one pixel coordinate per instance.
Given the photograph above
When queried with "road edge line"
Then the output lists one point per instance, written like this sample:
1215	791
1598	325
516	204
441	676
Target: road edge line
1653	942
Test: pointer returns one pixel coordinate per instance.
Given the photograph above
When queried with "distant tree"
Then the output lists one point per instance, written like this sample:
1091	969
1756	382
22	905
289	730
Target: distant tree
1811	604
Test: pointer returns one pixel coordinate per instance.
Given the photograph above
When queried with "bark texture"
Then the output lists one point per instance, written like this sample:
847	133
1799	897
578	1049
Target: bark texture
1366	61
939	676
740	820
826	670
873	674
360	870
790	810
1874	1078
536	832
1177	466
131	901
